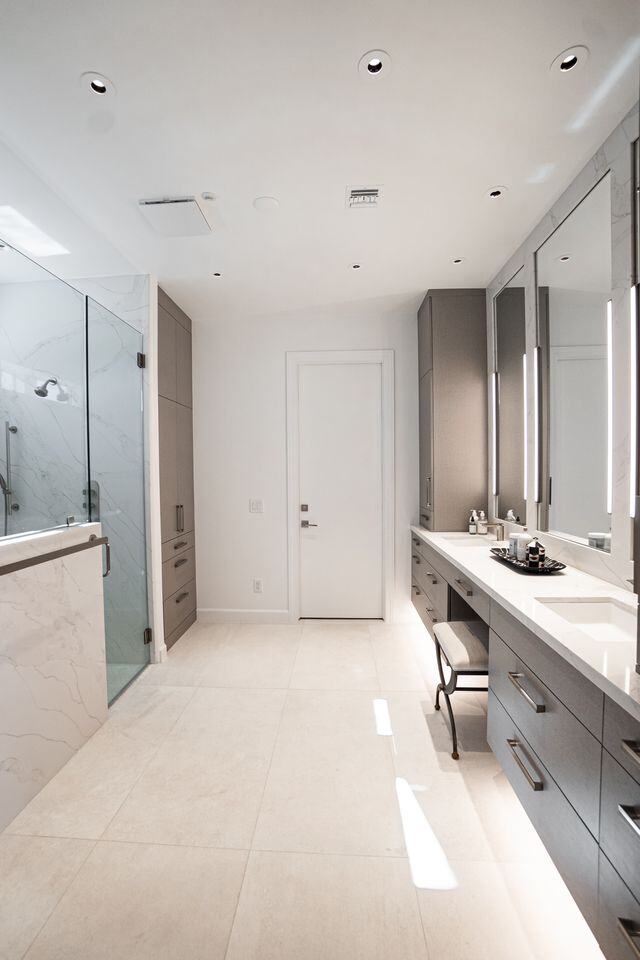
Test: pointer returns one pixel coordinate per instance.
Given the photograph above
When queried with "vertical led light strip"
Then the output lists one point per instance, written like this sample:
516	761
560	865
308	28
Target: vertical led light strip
494	451
633	400
609	406
525	405
536	423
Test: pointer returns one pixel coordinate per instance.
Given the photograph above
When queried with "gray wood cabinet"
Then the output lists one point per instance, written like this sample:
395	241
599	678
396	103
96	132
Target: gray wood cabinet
452	361
176	467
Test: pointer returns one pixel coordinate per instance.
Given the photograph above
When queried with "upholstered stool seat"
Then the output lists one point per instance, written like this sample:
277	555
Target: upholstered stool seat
464	645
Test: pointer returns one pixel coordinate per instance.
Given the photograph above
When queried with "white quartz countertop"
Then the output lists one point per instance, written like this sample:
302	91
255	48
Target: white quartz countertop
609	665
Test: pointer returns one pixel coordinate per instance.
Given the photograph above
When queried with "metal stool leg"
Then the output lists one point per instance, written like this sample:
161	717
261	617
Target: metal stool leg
447	689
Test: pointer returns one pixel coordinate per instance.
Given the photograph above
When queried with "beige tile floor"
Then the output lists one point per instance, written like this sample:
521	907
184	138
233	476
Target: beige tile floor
242	802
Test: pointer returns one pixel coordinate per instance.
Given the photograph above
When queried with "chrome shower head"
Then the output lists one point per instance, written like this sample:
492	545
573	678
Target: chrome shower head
42	391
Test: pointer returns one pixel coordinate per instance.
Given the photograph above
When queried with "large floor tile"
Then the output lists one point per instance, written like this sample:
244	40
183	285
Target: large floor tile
335	656
253	655
83	797
402	656
205	784
138	902
34	874
188	658
331	783
310	907
505	911
148	713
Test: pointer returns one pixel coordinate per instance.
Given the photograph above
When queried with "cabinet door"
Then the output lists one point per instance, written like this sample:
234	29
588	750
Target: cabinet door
167	368
168	470
185	464
425	338
183	364
426	448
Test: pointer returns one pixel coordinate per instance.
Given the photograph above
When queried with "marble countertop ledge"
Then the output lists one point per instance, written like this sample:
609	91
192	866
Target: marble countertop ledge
27	545
611	666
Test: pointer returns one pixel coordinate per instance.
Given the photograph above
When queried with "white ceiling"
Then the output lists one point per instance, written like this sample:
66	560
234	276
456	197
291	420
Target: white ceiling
263	97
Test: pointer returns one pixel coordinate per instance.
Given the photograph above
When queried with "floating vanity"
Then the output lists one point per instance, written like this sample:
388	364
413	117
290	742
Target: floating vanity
563	713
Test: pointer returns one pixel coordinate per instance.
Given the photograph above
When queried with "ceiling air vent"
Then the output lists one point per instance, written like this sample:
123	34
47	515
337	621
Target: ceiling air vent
362	198
175	216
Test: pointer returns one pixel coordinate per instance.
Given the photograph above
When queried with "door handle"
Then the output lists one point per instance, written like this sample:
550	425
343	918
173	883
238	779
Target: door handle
107	550
305	524
178	527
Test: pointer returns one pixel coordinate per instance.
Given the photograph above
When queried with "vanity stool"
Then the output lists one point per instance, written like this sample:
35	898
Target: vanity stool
464	646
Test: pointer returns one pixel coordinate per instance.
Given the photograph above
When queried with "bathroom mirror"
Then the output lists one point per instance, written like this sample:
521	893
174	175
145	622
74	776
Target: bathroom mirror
511	400
575	334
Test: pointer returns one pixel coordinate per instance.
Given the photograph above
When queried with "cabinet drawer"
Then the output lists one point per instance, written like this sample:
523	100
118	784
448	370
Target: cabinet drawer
618	916
570	845
570	753
577	693
471	594
620	822
172	548
433	585
423	605
178	606
177	571
622	737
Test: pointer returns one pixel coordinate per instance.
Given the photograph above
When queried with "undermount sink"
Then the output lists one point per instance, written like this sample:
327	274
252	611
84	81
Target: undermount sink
470	539
603	618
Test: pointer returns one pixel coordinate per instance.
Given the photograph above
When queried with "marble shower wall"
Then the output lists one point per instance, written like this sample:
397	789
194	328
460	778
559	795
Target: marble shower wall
52	661
42	336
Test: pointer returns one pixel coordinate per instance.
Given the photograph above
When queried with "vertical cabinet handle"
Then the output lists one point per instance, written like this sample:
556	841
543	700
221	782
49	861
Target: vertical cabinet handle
180	517
533	782
631	933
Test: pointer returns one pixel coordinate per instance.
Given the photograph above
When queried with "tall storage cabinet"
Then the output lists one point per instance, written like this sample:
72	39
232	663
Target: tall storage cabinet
452	360
176	468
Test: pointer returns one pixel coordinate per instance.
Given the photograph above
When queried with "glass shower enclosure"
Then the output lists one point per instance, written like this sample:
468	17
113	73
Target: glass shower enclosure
71	438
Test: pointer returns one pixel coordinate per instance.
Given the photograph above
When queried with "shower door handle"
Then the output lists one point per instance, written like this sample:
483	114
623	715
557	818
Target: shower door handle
107	550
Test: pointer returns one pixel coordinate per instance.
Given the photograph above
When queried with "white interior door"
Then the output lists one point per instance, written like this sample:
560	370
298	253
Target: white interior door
340	469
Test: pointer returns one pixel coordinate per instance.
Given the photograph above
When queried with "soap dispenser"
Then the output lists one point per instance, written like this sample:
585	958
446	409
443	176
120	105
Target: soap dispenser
482	523
473	522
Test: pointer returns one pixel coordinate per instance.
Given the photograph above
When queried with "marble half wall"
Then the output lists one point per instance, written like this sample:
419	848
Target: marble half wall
53	694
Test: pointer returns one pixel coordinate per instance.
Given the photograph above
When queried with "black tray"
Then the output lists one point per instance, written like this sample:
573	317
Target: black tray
548	566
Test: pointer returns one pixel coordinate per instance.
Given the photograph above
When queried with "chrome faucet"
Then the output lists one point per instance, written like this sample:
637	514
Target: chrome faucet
499	529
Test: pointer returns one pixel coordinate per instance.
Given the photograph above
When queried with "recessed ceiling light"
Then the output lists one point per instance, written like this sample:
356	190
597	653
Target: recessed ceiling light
496	192
571	59
355	266
266	204
374	63
97	83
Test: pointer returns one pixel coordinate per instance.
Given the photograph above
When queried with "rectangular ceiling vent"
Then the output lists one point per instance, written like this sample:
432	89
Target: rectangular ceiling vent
362	198
175	216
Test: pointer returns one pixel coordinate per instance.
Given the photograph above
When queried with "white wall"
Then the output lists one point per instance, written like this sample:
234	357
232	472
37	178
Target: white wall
240	443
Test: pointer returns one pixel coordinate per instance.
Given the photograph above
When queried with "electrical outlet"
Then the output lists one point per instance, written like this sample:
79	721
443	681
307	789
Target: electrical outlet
256	506
257	585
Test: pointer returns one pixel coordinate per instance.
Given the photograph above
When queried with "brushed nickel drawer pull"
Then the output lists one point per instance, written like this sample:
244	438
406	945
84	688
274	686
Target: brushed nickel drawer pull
183	596
416	542
465	587
515	680
434	579
182	560
632	749
630	816
415	559
430	610
631	933
182	543
417	590
531	780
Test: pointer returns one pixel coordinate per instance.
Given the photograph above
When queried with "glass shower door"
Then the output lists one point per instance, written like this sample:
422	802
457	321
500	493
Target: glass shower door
116	487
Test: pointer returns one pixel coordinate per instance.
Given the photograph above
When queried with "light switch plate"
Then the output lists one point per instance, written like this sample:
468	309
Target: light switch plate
257	585
256	506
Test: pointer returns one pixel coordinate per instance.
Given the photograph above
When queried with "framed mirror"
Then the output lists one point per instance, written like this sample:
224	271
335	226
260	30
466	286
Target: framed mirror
511	401
575	336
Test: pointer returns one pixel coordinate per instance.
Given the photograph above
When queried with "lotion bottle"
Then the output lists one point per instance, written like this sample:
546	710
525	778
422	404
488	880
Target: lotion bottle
473	522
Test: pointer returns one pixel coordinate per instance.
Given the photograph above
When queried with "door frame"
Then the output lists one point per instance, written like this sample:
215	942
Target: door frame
295	360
